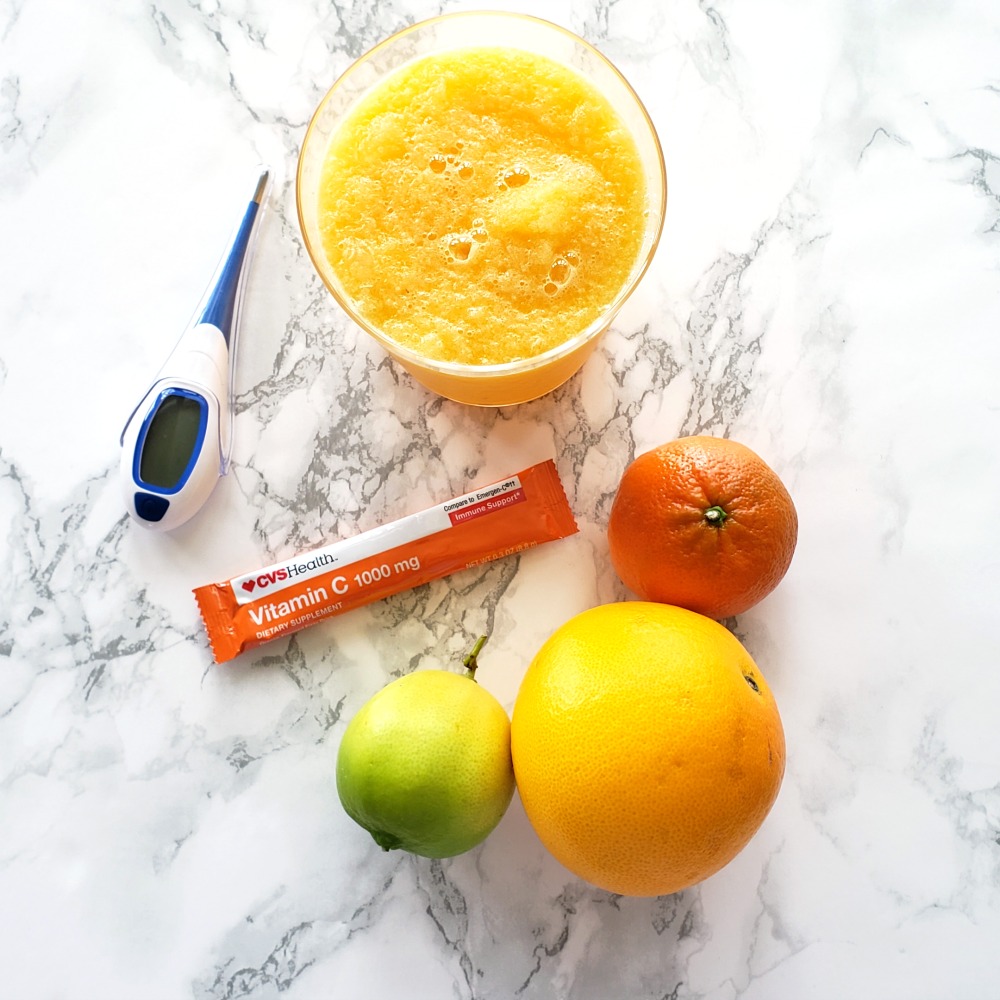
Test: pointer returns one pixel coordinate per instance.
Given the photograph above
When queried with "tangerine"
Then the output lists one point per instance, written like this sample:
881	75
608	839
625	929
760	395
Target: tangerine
703	523
647	747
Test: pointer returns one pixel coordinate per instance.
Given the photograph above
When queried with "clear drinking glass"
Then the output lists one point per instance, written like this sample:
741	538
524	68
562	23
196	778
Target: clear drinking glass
525	379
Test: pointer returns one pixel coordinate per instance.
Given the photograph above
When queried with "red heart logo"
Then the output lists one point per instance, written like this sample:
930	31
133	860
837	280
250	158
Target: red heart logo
248	585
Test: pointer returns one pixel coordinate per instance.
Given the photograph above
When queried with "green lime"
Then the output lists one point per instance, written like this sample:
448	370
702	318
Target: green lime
425	764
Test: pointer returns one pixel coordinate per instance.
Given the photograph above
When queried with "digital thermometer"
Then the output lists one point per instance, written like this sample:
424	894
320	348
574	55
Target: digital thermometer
178	440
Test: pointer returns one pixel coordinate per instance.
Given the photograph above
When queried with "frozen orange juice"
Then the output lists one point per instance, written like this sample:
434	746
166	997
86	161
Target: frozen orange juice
484	210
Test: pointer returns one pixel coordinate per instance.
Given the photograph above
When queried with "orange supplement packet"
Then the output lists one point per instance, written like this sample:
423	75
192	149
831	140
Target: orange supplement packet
488	523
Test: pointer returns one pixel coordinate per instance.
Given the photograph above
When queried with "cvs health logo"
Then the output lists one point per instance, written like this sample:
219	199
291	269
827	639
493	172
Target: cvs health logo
264	580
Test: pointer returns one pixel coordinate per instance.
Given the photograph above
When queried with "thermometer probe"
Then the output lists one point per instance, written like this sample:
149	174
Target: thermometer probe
178	440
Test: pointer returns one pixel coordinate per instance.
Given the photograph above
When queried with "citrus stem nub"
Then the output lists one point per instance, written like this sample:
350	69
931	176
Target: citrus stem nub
716	516
470	662
387	841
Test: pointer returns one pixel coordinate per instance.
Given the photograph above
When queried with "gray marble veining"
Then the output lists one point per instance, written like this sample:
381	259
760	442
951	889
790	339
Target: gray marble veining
827	291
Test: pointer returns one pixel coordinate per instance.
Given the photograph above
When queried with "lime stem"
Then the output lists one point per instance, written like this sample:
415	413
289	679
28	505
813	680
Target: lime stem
716	516
470	662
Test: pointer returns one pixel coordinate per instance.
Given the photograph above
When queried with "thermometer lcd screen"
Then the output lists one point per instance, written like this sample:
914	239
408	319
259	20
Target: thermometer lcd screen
171	440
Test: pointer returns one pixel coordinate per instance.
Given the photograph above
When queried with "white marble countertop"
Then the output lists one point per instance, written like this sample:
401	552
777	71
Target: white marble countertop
827	291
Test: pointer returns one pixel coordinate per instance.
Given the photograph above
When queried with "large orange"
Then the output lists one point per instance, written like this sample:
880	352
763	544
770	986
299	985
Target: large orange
704	523
647	747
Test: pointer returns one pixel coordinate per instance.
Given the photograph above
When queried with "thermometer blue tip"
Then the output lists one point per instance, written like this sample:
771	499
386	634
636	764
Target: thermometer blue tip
220	309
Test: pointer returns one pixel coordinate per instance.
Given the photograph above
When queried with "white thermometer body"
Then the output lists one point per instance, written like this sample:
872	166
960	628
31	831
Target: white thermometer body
178	440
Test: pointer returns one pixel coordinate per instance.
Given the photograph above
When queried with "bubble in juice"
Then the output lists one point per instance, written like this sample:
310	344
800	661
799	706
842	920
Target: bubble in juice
515	176
460	247
559	272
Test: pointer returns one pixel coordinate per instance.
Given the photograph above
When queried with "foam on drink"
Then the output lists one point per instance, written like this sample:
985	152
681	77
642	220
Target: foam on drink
482	205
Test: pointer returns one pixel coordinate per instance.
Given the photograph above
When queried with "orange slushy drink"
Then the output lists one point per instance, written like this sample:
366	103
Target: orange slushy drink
480	208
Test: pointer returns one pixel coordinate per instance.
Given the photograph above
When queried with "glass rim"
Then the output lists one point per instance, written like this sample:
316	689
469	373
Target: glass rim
455	368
